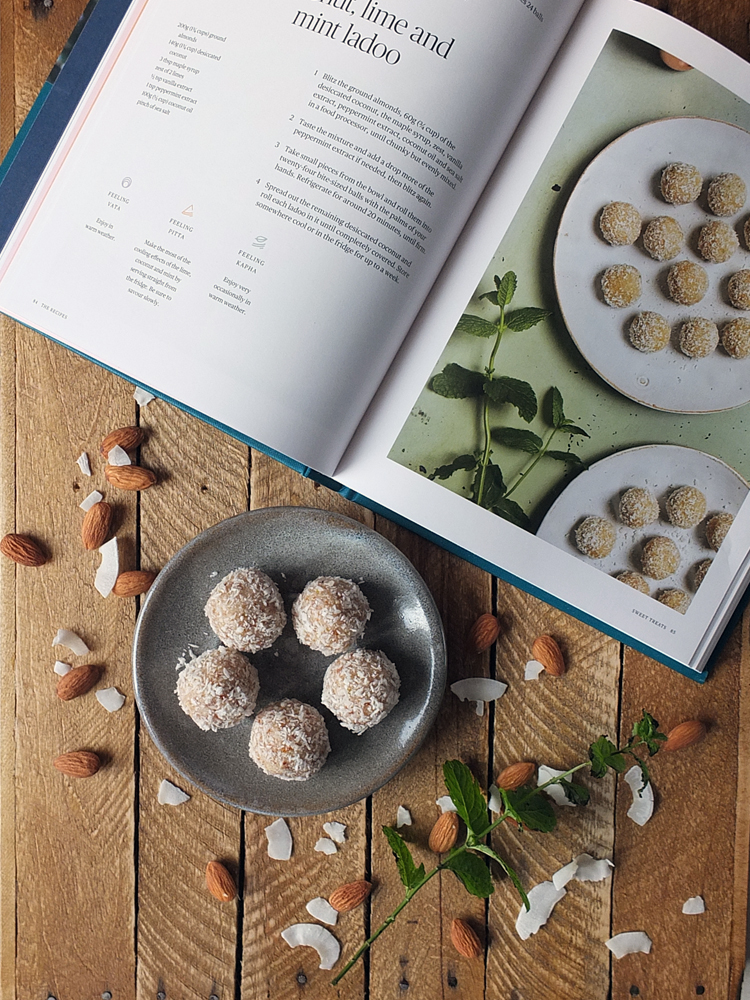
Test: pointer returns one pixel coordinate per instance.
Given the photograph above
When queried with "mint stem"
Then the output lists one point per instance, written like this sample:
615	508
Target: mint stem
490	371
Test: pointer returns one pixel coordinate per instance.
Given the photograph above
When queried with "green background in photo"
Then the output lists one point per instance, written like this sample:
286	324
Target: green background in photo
628	86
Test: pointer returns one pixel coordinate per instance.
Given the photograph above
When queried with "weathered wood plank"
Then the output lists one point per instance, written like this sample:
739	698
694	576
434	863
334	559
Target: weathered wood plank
187	940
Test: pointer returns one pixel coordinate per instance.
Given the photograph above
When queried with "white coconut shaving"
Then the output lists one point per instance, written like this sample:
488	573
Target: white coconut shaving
533	669
93	498
629	943
71	641
110	698
171	795
142	396
543	898
495	801
62	668
336	831
563	875
326	846
109	567
279	838
479	707
118	456
643	798
403	817
322	910
445	804
694	905
584	868
83	464
479	689
555	792
317	937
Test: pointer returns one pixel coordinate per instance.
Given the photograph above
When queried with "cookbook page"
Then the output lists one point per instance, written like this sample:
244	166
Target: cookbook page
585	427
252	201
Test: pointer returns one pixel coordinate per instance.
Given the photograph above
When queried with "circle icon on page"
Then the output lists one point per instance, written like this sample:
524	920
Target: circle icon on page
126	182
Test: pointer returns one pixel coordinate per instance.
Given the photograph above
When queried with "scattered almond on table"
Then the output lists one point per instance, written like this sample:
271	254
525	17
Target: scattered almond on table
350	895
22	550
127	438
515	775
444	833
483	633
684	735
219	882
78	763
78	681
546	651
465	940
129	477
133	582
96	525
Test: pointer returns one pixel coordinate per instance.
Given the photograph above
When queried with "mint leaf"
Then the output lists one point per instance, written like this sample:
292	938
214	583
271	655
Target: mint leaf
473	872
410	874
566	456
507	869
524	319
577	794
531	808
568	427
455	382
467	796
645	776
518	438
506	288
490	296
511	511
464	463
647	730
494	488
603	754
505	389
554	401
475	326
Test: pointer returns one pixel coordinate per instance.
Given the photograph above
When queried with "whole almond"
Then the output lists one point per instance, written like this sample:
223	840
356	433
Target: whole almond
22	550
78	681
129	477
350	895
515	775
465	940
444	833
684	735
219	882
133	582
128	438
483	633
78	763
96	523
546	651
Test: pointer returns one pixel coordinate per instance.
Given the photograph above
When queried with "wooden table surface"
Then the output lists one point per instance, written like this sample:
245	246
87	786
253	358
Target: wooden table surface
102	890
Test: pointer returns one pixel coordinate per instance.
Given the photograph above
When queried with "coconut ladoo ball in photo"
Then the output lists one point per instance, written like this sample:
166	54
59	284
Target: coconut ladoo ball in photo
699	572
360	688
660	558
330	614
687	282
632	579
735	338
620	223
717	241
726	194
675	599
717	529
621	285
638	507
738	289
681	183
686	506
699	337
289	740
218	689
595	537
246	611
663	238
649	332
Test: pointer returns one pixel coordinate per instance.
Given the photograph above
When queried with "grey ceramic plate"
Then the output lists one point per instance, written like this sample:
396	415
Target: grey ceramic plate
293	545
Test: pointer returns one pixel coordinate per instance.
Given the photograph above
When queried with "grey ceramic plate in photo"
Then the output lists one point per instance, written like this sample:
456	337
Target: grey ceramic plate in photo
293	545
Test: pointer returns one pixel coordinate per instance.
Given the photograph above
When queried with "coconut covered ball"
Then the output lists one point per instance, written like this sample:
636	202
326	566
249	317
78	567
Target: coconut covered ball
746	233
638	507
699	337
699	572
663	237
330	614
595	537
726	194
687	282
681	183
289	740
218	689
246	611
686	507
360	688
660	558
675	599
649	332
620	223
717	529
634	580
738	289
717	241
735	338
621	285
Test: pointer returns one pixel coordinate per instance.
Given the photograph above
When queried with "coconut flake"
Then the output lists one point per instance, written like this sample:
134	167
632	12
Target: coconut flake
71	641
93	497
321	909
326	846
555	792
83	464
62	668
445	804
694	905
317	937
142	396
563	875
336	831
118	456
279	838
109	568
110	698
643	798
479	689
542	900
591	869
403	817
171	795
629	943
479	707
495	801
533	670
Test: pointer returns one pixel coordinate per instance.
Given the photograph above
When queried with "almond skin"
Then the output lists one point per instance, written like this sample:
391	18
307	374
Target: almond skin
465	940
444	833
483	633
219	882
129	477
684	735
78	681
78	763
133	582
22	550
350	895
96	524
546	651
128	438
515	775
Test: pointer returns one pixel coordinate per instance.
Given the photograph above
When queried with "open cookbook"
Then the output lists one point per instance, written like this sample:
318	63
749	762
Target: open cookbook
484	266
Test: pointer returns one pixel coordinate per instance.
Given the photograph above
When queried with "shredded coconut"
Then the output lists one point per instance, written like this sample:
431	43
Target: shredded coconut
289	740
330	614
218	689
83	464
361	688
246	611
93	498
